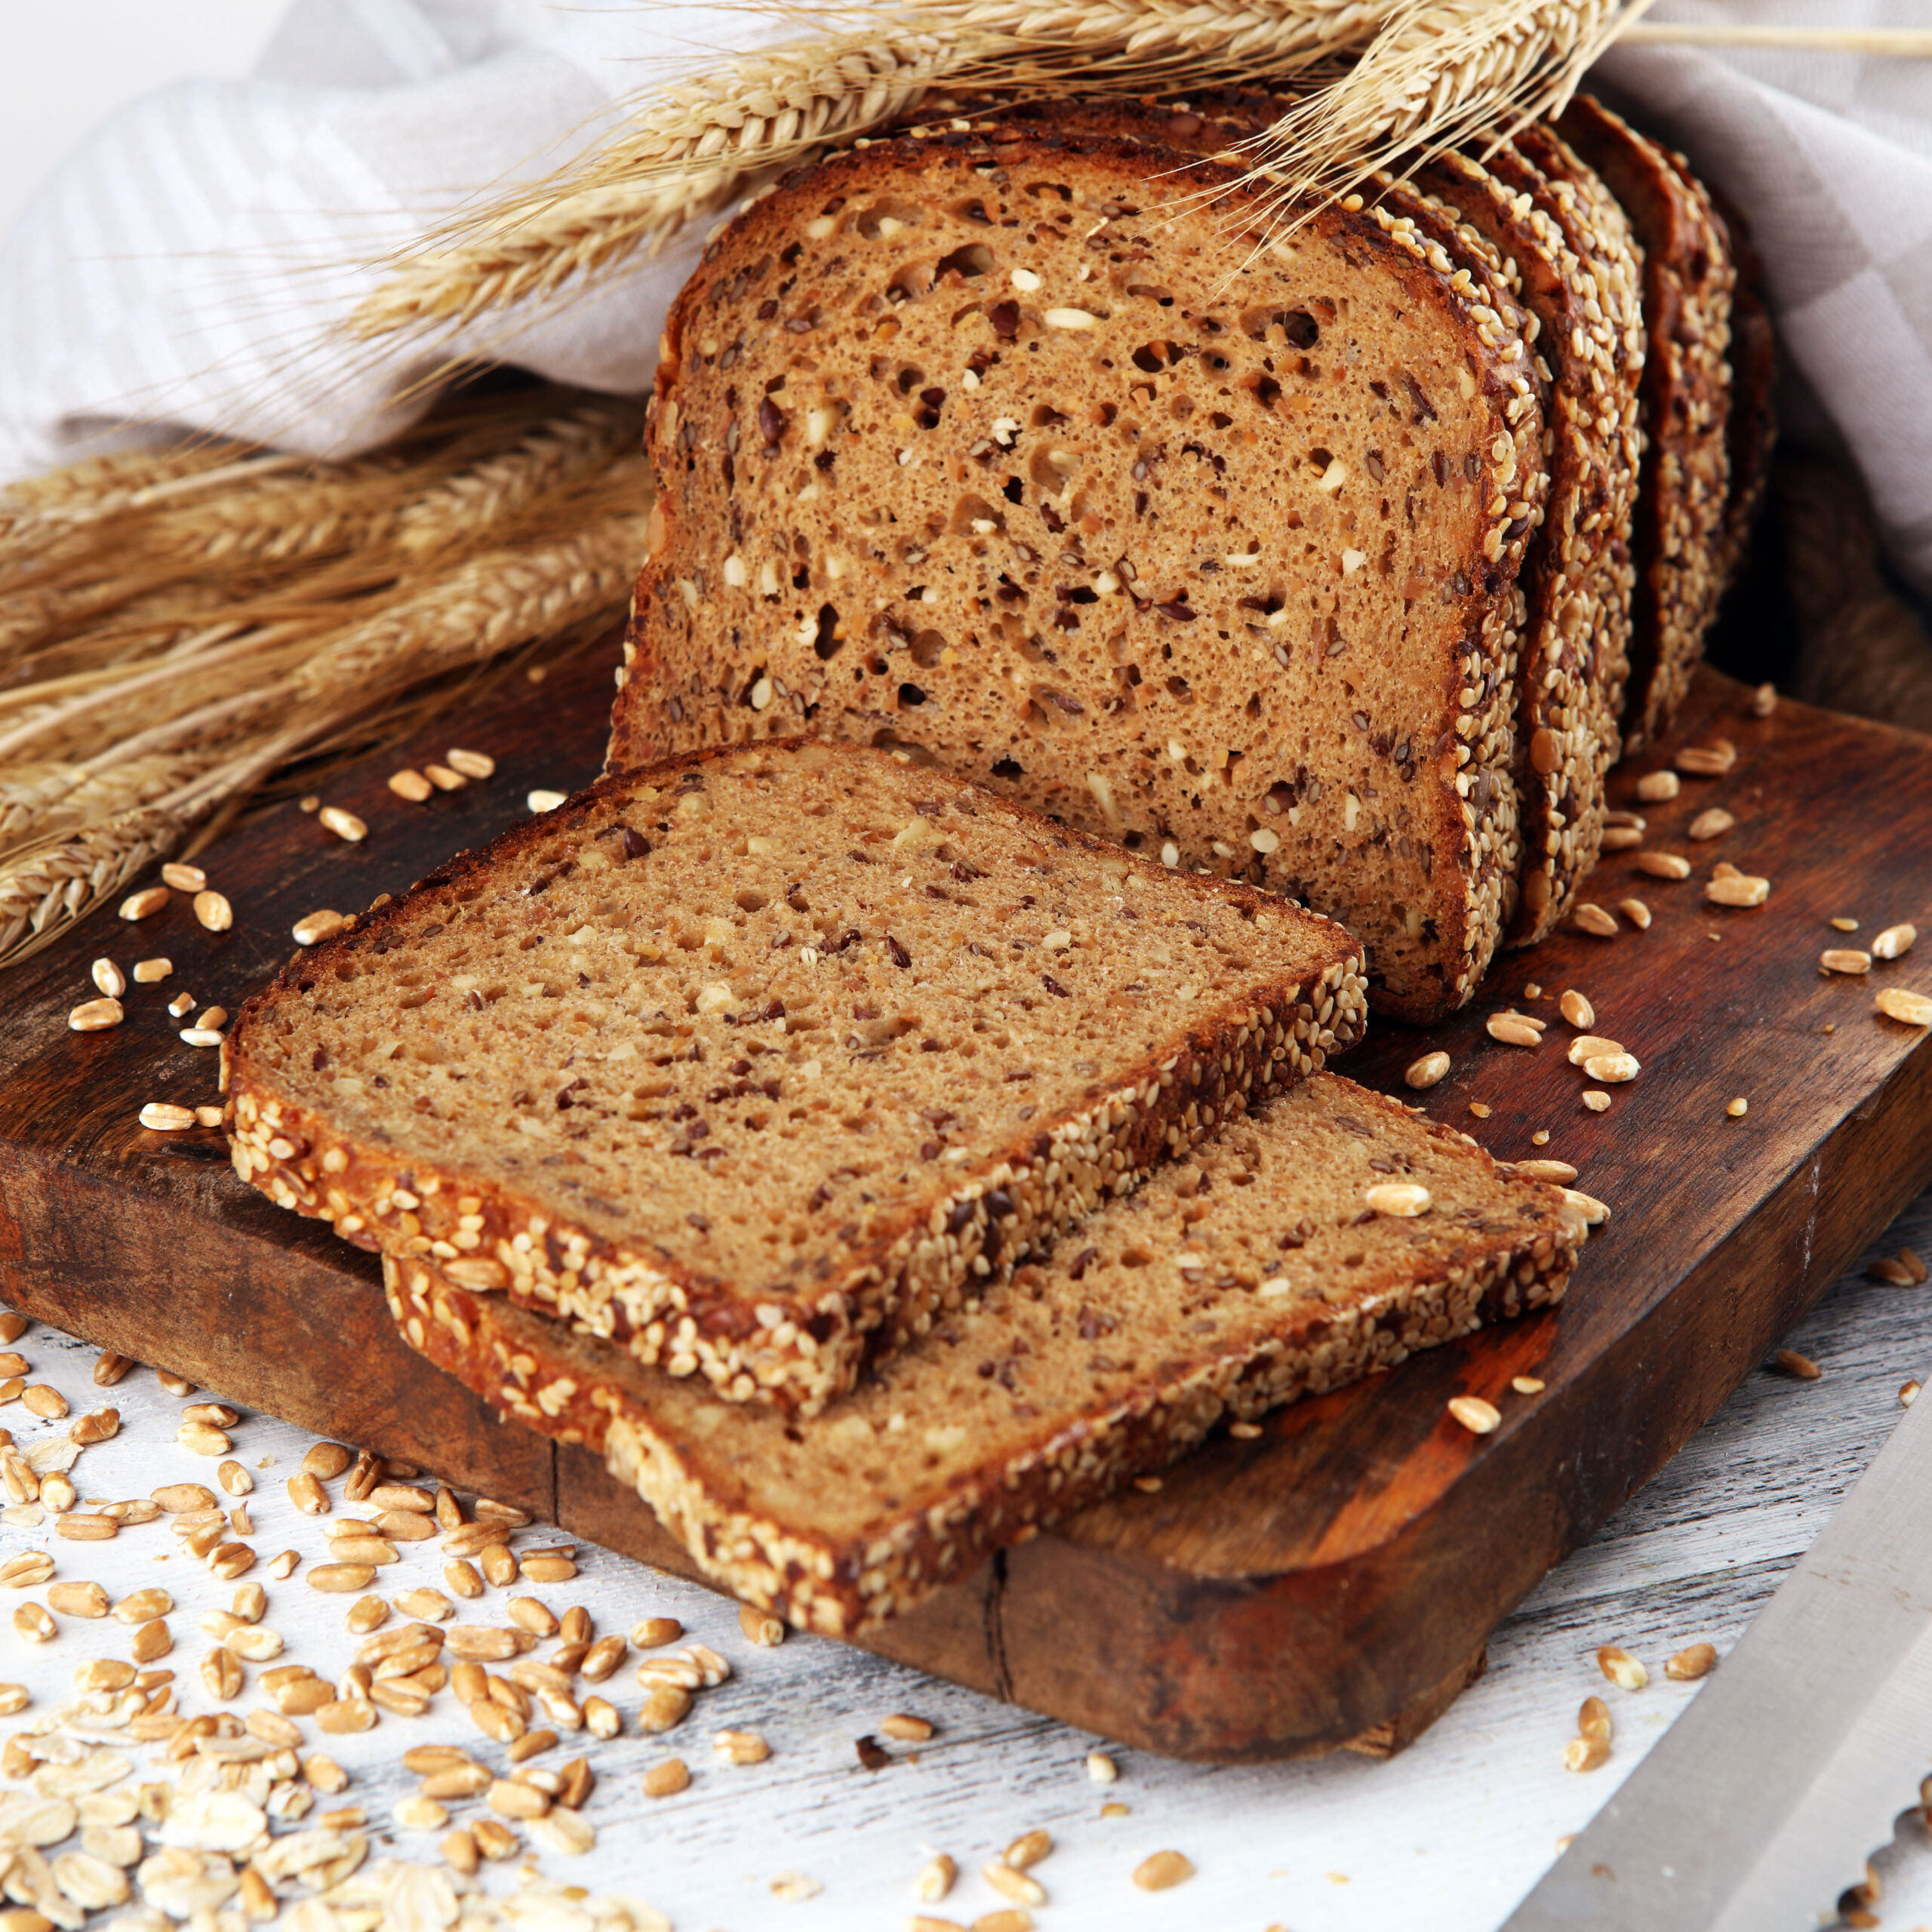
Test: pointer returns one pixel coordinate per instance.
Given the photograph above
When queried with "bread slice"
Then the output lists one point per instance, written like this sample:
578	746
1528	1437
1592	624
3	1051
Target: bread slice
1210	552
1257	1270
1574	662
768	1056
1751	422
1684	487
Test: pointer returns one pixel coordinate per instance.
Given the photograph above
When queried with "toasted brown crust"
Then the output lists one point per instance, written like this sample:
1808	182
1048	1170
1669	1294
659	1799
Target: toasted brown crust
844	1570
1684	490
1259	1036
1469	814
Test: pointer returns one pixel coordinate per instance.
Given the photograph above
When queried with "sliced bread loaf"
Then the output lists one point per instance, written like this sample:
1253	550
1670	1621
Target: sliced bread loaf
1213	553
1684	489
1284	1258
770	1055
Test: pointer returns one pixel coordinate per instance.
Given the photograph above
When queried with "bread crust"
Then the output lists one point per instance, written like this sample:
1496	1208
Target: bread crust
1466	798
1273	1031
702	1478
1684	490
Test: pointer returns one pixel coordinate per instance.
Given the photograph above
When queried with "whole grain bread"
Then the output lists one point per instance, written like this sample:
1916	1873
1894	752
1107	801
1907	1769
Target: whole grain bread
1256	1271
959	447
770	1055
1685	488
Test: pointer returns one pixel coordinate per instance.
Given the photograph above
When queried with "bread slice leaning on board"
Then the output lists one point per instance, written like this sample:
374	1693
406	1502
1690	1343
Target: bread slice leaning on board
1259	1270
971	444
760	1061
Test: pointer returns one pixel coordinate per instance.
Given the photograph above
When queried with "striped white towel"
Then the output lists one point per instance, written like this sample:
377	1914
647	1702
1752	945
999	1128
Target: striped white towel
186	265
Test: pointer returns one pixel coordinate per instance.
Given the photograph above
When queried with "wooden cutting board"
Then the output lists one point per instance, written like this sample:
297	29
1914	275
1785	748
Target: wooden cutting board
1332	1581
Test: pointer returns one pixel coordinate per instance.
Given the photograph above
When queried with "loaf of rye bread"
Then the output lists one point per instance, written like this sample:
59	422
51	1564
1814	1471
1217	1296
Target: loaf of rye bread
1257	1270
1572	271
766	1058
986	444
1681	543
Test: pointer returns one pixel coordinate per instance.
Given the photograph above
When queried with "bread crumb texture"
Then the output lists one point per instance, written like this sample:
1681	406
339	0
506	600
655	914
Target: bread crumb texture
1211	550
763	1060
1245	1276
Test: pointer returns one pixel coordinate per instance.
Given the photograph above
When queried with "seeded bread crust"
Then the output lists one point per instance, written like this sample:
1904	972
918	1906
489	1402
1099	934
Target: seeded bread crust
700	665
1575	660
797	1344
1063	1384
1684	490
1751	427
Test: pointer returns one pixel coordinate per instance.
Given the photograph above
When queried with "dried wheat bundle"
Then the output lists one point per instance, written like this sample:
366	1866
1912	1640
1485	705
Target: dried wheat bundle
176	627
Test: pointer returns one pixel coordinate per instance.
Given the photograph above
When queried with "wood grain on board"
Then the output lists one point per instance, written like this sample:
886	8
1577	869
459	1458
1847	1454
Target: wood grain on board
1333	1580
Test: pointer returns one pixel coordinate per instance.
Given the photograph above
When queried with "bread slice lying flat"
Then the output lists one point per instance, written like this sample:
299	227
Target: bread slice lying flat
766	1057
1007	445
1257	1270
1680	546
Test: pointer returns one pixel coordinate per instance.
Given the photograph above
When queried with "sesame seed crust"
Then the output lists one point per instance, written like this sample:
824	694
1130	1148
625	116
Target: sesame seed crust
1262	1028
883	1497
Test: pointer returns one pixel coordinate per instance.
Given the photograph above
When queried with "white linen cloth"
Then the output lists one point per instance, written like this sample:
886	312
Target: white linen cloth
183	266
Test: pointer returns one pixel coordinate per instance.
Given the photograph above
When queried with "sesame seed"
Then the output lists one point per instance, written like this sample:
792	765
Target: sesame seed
1475	1415
1663	865
1481	1111
1844	925
344	825
1793	1364
1540	1138
1401	1200
1426	1070
1532	991
1737	1108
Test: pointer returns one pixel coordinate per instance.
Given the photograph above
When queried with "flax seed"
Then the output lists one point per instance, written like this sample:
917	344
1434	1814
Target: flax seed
1793	1364
1658	787
410	785
1894	943
1712	823
213	912
145	903
1475	1415
344	825
1698	1660
1595	921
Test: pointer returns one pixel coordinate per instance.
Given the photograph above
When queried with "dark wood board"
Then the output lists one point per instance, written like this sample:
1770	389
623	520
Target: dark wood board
1334	1580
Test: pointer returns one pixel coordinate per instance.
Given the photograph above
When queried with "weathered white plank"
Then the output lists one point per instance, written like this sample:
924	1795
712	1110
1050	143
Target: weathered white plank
1450	1834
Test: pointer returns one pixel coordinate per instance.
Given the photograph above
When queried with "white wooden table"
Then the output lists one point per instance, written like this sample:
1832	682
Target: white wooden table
1448	1835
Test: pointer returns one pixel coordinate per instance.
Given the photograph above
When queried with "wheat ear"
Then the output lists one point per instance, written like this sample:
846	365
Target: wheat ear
690	150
